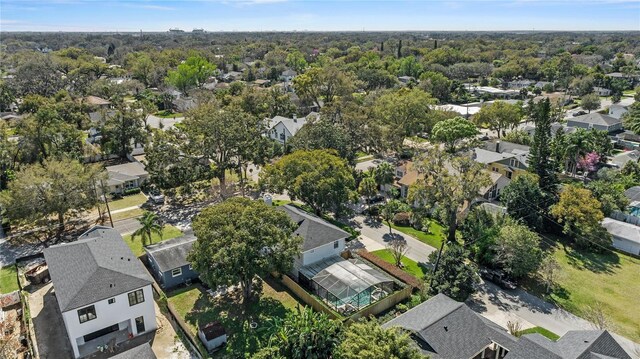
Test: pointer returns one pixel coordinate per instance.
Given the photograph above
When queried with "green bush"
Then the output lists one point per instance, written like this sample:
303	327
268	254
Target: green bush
131	191
402	219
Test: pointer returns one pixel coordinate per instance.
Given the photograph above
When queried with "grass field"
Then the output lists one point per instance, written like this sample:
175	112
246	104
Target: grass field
127	214
586	278
8	279
127	201
434	239
168	232
168	114
195	306
409	265
542	331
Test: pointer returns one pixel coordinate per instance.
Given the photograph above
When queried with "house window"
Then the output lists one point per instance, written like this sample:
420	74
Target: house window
136	297
509	174
140	325
190	268
112	300
494	169
87	314
513	162
176	272
336	244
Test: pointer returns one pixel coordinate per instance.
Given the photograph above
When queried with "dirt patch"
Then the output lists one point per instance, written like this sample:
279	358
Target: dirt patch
167	344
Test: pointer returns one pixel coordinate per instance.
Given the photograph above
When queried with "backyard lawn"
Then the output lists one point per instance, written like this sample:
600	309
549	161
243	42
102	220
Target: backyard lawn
409	265
168	232
195	306
127	201
609	278
434	239
8	279
137	212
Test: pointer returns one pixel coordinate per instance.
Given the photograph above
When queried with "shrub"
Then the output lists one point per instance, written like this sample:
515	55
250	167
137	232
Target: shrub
401	219
131	191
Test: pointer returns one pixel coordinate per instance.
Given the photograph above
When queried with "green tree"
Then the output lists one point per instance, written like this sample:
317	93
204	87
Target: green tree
142	68
452	132
590	102
45	194
240	240
302	334
520	137
150	224
454	277
7	96
524	200
390	209
324	84
448	184
193	72
437	84
321	134
121	131
540	160
384	174
404	112
296	61
366	339
631	119
610	194
517	250
581	214
499	116
318	178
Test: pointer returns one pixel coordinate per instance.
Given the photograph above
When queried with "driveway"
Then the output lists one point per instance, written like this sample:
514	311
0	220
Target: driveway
51	340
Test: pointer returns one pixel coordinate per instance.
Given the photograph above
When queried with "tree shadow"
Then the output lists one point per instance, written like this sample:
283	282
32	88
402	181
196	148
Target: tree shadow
387	237
372	222
597	262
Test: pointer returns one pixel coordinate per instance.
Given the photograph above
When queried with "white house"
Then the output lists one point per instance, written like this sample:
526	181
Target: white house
125	176
283	128
320	239
288	75
103	291
626	236
601	91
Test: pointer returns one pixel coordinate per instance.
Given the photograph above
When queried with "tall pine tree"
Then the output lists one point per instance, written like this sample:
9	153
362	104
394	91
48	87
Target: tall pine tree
540	155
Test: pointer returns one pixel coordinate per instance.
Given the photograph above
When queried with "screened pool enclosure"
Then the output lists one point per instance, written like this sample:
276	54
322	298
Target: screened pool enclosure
346	285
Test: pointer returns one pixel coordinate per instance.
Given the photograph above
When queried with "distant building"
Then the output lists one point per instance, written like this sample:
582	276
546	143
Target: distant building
198	31
626	236
596	121
601	91
283	128
176	30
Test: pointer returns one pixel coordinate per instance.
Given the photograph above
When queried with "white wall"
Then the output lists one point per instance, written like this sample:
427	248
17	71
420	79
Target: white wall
626	245
110	314
322	252
279	127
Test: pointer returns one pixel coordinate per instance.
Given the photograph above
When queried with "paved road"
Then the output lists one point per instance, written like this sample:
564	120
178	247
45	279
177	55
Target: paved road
379	233
126	226
490	301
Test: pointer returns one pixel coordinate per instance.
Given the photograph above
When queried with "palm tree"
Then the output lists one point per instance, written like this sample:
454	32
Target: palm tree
384	173
368	188
150	224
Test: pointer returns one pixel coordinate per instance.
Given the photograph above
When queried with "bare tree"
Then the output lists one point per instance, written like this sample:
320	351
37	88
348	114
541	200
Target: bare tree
514	328
398	248
596	315
548	272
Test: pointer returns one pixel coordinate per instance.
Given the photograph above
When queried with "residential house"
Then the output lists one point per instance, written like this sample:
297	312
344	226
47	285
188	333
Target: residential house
596	121
492	91
262	83
213	335
507	158
232	76
103	291
601	91
406	79
283	128
542	84
125	176
617	111
621	159
168	261
445	329
626	236
97	102
288	75
320	239
520	84
466	110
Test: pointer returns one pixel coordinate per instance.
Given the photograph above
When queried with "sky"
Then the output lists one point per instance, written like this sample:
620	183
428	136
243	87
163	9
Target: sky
318	15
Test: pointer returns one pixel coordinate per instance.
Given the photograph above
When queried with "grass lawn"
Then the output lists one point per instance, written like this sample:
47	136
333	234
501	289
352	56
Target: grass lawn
8	279
434	239
195	306
168	114
361	154
127	201
542	331
127	214
608	278
409	265
168	232
280	202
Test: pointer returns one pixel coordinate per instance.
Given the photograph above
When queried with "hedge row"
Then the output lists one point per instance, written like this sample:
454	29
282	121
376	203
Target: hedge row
390	268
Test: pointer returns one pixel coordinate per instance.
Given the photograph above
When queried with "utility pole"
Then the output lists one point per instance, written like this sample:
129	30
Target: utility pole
435	268
106	202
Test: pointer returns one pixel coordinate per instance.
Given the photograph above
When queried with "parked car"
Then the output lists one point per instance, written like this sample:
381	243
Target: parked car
498	278
579	113
156	197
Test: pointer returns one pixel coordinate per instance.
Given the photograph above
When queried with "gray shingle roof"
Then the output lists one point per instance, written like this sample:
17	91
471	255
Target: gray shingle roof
96	267
140	352
315	231
579	344
450	328
171	253
620	229
633	193
596	119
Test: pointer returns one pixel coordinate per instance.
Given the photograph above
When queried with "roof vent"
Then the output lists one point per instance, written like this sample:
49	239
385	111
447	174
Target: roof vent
446	329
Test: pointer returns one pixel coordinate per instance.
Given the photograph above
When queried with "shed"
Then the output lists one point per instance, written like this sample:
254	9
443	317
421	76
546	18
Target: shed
168	261
626	236
212	335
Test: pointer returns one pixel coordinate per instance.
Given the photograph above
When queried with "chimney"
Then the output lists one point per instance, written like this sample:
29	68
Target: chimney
295	118
498	146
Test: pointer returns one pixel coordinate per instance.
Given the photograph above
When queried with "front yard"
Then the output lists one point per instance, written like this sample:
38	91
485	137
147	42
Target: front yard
168	232
8	279
409	265
610	279
434	238
195	306
127	201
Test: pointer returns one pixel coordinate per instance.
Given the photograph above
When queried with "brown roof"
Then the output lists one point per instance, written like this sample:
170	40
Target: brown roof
212	330
95	100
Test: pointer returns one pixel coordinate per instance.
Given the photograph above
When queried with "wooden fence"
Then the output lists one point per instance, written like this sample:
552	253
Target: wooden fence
309	299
